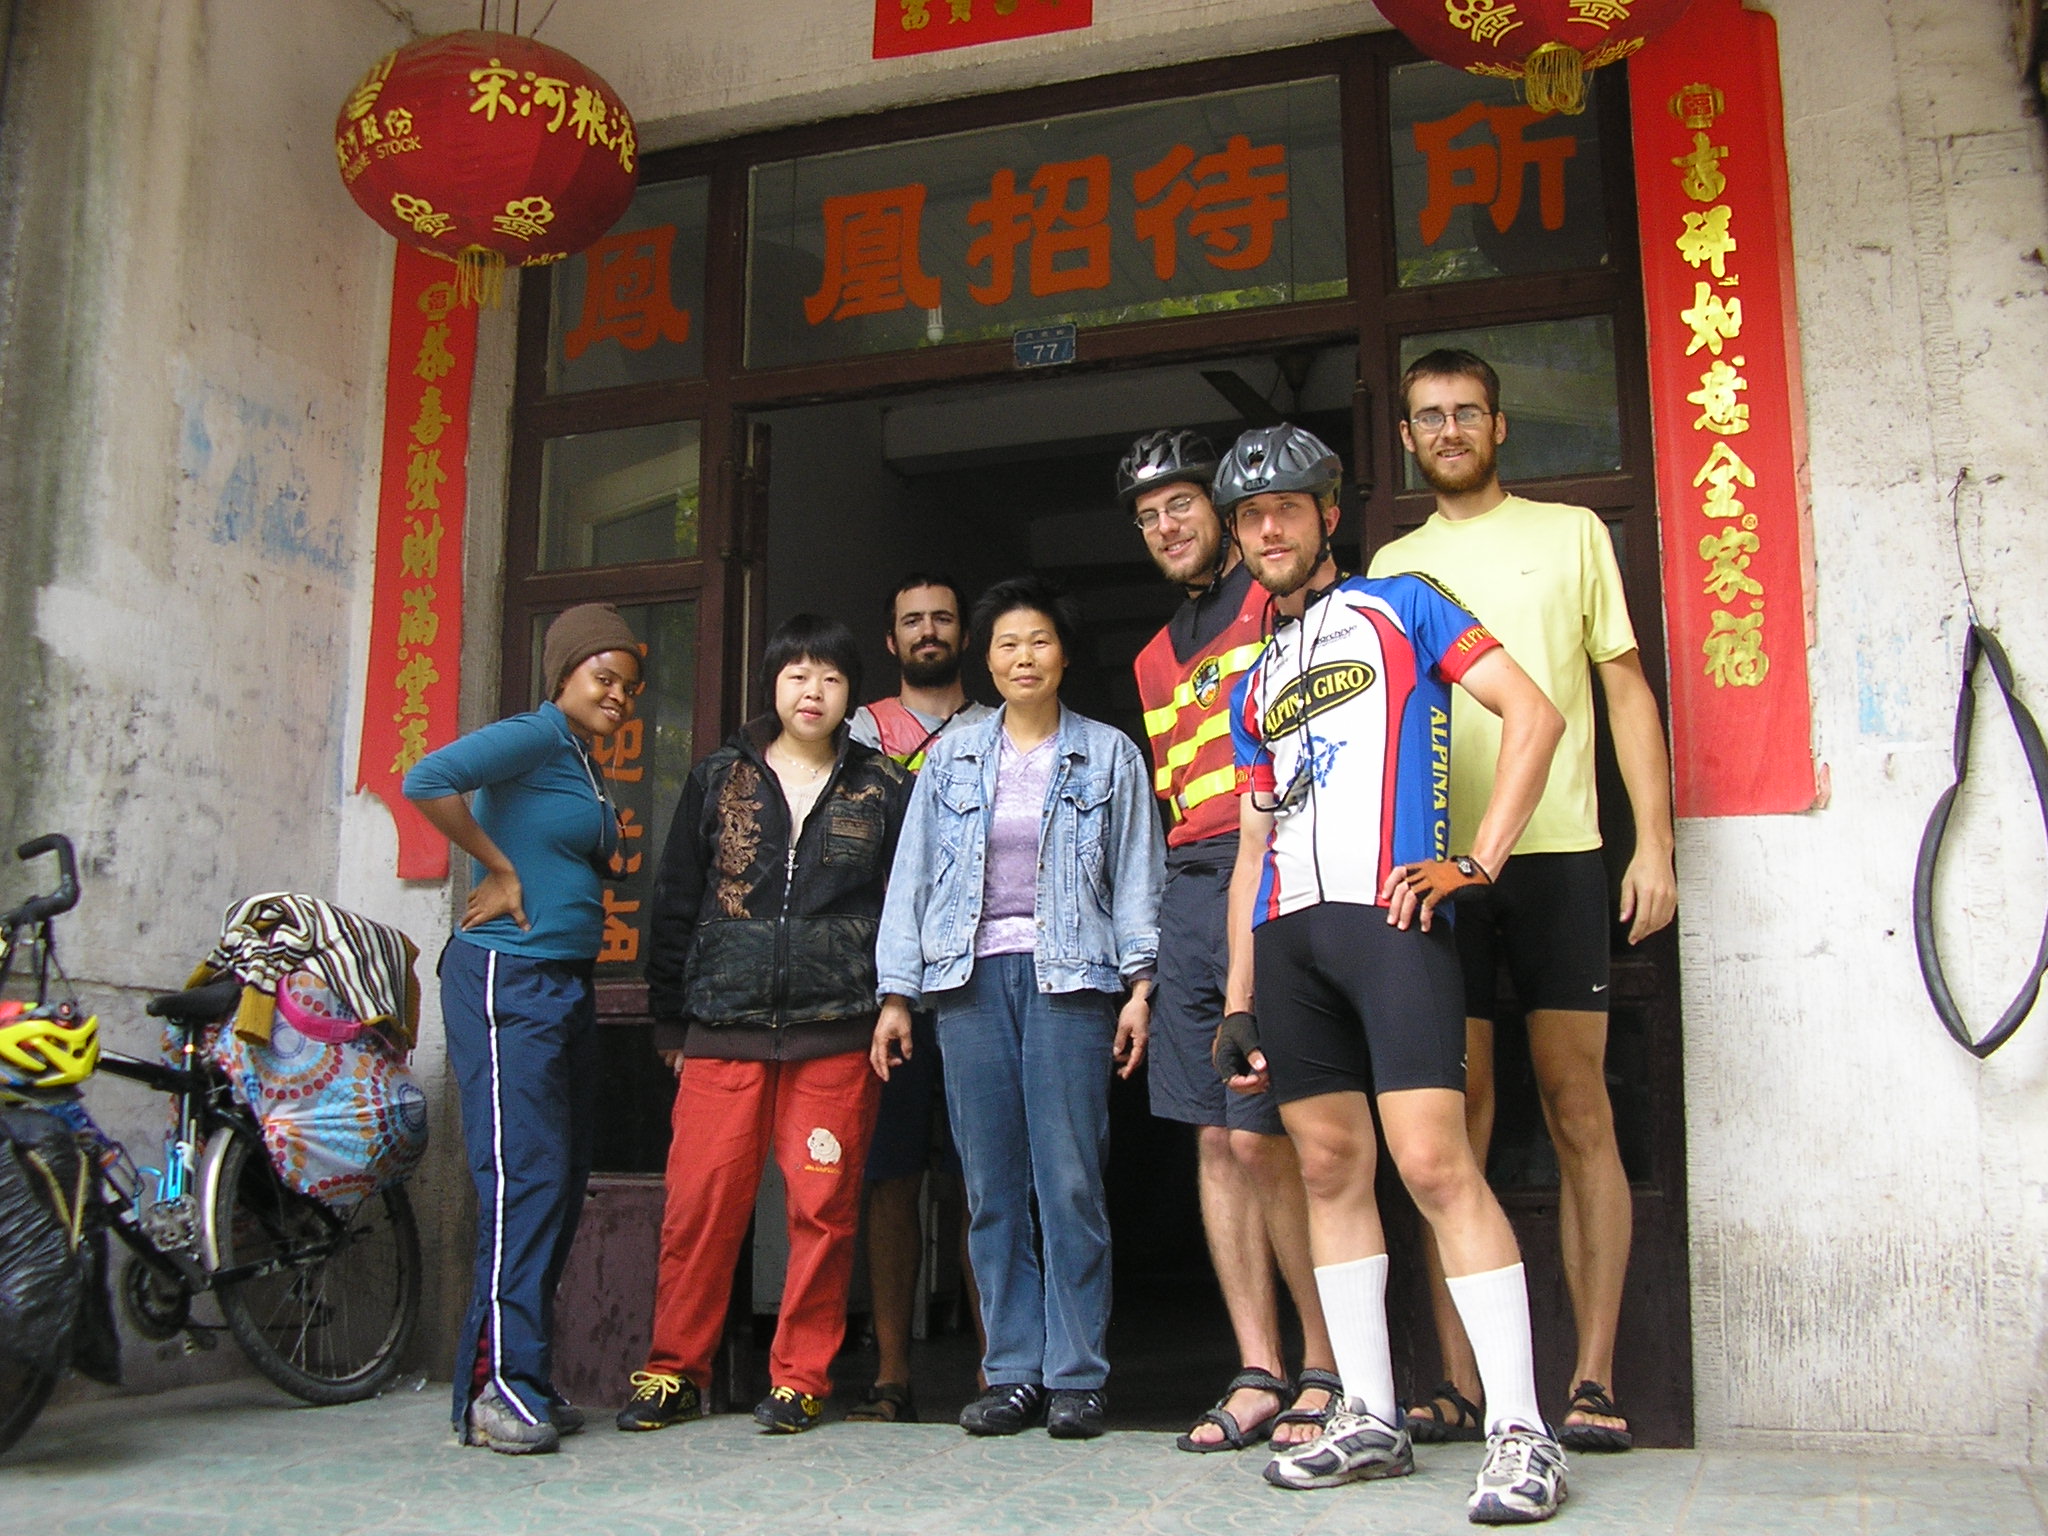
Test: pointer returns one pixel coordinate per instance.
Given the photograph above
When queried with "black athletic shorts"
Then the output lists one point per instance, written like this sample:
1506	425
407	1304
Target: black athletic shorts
1347	1002
1187	996
1547	917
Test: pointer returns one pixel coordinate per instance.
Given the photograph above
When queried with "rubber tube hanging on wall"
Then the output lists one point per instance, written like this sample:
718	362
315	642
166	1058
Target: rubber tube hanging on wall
1982	645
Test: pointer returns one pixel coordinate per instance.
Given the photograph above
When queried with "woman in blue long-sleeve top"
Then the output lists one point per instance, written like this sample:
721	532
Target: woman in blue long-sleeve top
516	1000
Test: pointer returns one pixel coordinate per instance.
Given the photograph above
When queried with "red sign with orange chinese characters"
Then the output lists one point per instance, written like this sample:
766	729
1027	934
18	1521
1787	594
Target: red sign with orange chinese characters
927	26
1727	410
409	706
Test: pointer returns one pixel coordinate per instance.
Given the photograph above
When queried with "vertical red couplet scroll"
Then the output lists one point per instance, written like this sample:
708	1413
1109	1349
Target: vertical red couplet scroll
416	612
1727	409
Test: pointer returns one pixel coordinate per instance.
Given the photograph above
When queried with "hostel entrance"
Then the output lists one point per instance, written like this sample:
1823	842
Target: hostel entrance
807	362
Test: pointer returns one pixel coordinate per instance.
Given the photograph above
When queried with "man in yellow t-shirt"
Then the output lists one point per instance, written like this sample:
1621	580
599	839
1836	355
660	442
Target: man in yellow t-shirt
1543	578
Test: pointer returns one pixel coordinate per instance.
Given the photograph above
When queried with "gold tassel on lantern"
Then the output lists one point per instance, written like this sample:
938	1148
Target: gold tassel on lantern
1554	79
480	276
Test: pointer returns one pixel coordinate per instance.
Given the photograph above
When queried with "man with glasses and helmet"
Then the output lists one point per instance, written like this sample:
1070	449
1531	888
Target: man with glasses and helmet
1342	735
1253	1209
1542	576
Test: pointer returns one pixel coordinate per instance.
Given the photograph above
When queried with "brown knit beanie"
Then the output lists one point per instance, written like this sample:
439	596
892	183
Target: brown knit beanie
578	634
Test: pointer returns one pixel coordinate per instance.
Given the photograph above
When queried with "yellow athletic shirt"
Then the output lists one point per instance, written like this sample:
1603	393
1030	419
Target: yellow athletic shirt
1542	576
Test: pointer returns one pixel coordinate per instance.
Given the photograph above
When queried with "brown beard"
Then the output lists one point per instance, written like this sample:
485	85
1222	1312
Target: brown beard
936	673
1479	469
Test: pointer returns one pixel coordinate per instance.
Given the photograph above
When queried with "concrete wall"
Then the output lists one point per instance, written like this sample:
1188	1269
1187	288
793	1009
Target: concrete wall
1869	1213
191	333
191	347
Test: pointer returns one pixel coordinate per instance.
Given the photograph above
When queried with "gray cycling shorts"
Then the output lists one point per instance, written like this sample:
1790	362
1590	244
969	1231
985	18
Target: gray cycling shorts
1188	996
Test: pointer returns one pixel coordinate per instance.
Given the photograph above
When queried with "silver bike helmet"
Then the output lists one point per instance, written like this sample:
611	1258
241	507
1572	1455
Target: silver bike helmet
1281	458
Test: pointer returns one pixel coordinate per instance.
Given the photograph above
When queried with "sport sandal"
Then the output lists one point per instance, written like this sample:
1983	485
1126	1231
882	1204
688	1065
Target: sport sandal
1592	1397
1430	1425
1235	1435
1311	1379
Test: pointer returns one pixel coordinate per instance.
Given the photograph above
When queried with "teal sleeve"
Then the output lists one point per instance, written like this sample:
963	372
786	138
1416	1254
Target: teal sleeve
500	751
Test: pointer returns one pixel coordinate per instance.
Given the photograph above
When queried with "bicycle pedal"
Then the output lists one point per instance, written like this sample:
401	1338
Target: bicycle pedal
199	1341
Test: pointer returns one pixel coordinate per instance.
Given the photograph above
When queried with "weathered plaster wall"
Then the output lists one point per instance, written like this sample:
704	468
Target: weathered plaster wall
192	346
1869	1213
714	70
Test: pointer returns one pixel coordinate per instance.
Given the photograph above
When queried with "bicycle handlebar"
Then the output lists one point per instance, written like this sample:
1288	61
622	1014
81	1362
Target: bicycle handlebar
41	908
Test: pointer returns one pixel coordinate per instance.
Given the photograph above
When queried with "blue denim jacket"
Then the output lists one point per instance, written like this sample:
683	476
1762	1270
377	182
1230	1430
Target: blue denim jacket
1101	863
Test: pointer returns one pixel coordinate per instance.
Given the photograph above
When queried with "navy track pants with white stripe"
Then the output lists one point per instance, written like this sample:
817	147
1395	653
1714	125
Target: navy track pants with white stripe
522	1040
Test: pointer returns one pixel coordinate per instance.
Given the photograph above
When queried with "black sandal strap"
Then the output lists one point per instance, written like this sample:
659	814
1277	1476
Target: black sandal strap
1447	1392
1591	1397
1253	1379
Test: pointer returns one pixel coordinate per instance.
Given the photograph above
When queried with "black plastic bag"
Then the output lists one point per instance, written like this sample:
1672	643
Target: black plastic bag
43	1268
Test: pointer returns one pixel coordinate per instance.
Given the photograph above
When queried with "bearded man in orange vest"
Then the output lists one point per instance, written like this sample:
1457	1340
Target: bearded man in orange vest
925	635
1253	1209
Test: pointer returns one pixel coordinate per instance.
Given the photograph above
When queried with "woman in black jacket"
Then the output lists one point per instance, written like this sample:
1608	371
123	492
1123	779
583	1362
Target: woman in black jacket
761	980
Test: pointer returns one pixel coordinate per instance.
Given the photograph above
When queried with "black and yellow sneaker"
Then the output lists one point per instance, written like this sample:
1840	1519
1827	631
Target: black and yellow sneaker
659	1400
787	1411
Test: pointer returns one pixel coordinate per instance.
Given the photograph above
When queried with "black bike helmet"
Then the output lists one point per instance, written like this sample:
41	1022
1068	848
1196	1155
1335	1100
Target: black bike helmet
1161	458
1282	458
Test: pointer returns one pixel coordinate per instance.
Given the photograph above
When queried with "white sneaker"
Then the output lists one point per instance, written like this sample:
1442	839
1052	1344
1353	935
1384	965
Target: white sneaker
1351	1448
1521	1481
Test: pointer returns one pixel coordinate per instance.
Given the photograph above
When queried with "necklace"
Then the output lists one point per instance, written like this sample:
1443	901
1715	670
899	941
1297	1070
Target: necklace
811	773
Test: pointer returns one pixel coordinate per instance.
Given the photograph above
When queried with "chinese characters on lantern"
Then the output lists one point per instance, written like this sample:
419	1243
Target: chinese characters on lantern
416	611
500	91
1053	233
1732	647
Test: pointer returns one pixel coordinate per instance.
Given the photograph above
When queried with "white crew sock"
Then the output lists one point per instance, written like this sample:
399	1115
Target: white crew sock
1494	1306
1355	1308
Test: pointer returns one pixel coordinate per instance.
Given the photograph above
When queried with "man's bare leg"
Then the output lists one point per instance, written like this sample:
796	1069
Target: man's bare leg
1460	1369
895	1249
1568	1049
1275	1174
1242	1256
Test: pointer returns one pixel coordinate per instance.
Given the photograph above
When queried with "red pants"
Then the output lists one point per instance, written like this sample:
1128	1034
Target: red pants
816	1116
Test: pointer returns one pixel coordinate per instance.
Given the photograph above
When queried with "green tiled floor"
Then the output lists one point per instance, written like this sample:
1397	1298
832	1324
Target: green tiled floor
221	1461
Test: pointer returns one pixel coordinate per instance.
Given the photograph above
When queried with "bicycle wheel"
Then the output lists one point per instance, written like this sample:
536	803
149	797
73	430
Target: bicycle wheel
322	1303
23	1391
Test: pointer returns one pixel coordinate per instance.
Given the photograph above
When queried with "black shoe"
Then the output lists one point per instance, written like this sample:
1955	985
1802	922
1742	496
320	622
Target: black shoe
1076	1415
568	1418
1005	1410
788	1411
659	1400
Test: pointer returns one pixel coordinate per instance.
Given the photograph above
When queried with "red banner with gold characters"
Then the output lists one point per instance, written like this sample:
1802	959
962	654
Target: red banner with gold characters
409	707
927	26
1727	410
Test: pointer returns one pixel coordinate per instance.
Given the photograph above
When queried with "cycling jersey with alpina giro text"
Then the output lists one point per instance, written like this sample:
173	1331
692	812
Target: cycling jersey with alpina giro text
1342	730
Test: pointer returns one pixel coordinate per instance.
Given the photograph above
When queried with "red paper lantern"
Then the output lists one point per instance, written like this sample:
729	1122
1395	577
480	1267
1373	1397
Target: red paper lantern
1546	44
489	149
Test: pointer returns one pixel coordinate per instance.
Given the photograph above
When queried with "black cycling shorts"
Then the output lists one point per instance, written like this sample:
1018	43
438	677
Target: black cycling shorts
1347	1002
1548	918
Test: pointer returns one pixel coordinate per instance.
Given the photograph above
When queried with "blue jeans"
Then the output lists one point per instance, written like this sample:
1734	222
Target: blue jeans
1027	1085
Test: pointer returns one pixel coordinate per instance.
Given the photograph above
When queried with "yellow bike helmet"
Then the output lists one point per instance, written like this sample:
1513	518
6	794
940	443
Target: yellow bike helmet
47	1047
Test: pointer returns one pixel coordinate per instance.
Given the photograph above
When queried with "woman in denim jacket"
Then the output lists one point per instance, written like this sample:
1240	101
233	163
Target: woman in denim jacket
1022	906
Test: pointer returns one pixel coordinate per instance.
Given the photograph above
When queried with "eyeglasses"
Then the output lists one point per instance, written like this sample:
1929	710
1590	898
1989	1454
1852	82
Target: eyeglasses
1432	420
1176	508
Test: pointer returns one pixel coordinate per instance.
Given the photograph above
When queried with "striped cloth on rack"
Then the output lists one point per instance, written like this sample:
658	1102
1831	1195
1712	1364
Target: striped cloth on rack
368	964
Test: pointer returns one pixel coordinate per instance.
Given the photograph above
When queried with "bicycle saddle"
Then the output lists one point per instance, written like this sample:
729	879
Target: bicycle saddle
202	1004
